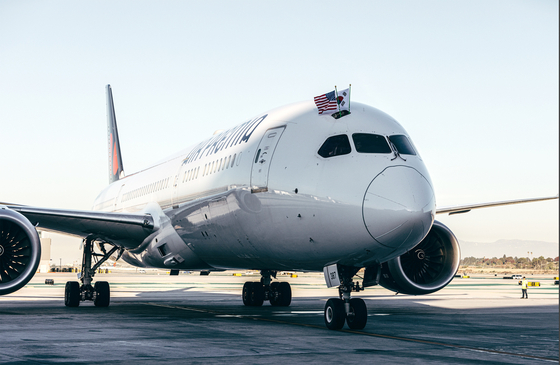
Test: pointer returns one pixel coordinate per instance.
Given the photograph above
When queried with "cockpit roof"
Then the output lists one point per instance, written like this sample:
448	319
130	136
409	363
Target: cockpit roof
362	118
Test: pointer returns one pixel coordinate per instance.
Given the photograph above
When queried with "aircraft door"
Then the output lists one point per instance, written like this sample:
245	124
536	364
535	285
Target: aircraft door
118	199
263	158
177	183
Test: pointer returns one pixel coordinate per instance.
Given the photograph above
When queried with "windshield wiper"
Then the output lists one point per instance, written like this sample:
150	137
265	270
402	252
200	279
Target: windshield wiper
395	151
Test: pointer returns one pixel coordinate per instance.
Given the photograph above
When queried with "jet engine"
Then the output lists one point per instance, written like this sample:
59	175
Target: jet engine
20	251
426	268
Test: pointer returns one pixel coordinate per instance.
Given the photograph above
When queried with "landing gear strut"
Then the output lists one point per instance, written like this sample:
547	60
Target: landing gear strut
99	293
353	310
256	292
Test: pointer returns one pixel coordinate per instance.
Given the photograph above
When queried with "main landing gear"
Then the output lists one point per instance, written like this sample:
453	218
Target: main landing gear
99	293
344	308
256	292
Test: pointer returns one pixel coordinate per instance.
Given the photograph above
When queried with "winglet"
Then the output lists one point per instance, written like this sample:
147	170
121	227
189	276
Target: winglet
115	160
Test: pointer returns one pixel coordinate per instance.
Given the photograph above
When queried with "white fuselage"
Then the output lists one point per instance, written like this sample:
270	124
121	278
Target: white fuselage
260	196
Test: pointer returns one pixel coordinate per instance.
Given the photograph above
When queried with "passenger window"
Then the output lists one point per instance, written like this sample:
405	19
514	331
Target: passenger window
370	143
335	146
402	144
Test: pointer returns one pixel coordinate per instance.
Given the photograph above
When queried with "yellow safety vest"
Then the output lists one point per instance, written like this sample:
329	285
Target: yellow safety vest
524	284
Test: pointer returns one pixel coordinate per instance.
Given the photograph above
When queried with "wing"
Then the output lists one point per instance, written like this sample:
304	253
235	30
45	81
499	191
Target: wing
467	208
125	229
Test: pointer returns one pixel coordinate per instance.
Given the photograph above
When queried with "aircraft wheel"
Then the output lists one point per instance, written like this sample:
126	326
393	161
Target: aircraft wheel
72	294
274	294
284	294
334	314
358	319
280	294
246	294
257	294
253	294
102	294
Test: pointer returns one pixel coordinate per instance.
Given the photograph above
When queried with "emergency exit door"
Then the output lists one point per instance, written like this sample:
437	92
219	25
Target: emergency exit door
263	158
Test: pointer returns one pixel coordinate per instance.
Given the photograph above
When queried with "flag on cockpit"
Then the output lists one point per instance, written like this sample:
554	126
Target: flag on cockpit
343	99
326	102
331	102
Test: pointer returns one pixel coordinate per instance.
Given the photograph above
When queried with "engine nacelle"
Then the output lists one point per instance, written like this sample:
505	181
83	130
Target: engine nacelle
20	251
426	268
164	248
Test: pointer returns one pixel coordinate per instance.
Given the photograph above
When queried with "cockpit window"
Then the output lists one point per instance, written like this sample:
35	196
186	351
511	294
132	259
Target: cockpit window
335	146
371	143
402	144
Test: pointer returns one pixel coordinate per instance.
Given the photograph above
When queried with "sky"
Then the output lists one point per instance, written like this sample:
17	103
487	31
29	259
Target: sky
475	84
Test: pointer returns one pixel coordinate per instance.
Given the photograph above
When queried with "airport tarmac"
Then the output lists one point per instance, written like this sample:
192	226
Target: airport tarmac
193	319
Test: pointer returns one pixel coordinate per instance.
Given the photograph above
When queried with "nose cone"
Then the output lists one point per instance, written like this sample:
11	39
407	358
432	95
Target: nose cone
399	207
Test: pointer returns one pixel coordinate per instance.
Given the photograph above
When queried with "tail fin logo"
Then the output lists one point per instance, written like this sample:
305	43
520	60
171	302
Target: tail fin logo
115	158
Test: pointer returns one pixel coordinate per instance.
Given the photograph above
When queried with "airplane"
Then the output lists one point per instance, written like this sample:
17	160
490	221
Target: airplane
287	190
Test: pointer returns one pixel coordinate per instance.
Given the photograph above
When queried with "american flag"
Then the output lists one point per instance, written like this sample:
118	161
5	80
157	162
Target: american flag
326	102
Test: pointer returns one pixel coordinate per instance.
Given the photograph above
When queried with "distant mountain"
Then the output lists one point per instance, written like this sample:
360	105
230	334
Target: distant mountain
512	248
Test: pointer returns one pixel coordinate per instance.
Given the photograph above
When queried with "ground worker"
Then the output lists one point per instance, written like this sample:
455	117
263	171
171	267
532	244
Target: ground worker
524	284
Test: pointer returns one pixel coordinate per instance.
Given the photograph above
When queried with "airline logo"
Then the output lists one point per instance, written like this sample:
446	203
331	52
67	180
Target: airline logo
115	159
232	137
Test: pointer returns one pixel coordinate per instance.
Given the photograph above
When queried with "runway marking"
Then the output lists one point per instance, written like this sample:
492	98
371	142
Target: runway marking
427	342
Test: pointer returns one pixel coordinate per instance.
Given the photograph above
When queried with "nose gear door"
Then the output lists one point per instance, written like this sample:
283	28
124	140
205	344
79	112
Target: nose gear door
263	158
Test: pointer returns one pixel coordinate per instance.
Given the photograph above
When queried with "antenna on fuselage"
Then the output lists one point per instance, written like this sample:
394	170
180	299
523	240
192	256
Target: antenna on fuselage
116	171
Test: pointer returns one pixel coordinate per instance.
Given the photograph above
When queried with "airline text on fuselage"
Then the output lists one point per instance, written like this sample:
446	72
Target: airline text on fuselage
224	140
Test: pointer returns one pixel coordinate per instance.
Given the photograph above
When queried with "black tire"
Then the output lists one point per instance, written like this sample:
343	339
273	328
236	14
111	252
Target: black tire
284	294
274	295
359	319
72	294
257	294
253	293
334	314
246	294
102	294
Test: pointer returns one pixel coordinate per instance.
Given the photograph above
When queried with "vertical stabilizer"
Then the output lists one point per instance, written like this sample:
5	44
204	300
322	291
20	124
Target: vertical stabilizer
115	160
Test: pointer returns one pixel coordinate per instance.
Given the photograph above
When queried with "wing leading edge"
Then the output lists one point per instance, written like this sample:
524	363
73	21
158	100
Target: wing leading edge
128	230
467	208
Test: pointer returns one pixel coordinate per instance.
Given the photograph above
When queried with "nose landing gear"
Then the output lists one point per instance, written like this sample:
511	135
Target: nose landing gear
353	310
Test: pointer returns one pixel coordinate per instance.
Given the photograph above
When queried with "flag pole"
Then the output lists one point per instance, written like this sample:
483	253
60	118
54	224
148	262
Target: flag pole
337	103
349	92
